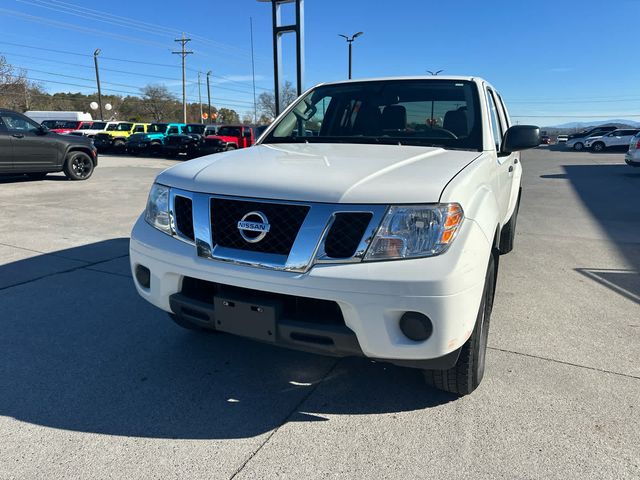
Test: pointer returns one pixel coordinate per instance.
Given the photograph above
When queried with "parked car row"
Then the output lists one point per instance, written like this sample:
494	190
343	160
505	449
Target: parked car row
587	138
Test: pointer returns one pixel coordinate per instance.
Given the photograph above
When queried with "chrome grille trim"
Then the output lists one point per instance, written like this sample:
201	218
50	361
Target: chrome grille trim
307	249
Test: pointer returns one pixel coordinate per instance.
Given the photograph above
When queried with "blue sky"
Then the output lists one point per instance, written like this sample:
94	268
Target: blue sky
554	62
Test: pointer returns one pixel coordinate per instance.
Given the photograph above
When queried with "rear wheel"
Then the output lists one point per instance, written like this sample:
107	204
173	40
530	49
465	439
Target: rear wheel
465	376
118	144
78	166
230	148
578	146
598	147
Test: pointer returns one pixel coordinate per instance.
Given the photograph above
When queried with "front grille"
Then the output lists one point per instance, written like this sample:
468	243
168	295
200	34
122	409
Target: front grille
298	309
184	216
103	136
346	233
173	140
285	221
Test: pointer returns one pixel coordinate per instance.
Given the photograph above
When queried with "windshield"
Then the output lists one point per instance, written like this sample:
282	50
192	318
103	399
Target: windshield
229	131
157	128
123	127
86	125
60	124
173	131
443	113
195	129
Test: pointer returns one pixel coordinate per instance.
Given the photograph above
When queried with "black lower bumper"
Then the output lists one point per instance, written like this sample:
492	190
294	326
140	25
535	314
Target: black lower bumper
266	321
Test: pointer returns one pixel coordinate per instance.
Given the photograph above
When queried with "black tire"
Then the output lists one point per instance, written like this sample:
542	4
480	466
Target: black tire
188	325
465	376
118	144
578	146
78	166
508	233
155	148
598	147
230	148
37	175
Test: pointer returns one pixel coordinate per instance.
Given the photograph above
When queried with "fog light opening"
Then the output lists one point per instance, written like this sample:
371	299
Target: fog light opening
143	276
416	326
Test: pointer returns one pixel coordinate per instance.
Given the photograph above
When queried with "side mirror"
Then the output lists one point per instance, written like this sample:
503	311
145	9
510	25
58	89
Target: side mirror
520	137
41	130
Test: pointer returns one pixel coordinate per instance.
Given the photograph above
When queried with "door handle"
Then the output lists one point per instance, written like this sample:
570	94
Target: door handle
18	135
515	161
510	168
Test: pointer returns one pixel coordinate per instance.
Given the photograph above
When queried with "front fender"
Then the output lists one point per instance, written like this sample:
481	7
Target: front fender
475	188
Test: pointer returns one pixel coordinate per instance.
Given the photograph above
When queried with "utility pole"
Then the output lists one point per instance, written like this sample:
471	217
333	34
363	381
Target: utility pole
95	61
183	53
253	74
199	97
350	41
209	95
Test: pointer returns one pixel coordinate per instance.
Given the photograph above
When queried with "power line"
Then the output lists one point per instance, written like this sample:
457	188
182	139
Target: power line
129	23
114	59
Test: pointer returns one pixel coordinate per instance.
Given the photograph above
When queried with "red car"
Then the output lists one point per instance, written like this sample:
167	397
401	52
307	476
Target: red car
234	136
65	126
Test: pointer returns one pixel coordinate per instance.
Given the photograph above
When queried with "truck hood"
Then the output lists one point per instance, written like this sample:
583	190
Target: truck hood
331	173
224	138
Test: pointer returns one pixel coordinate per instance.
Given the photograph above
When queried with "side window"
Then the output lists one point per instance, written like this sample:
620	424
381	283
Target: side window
15	123
138	129
495	121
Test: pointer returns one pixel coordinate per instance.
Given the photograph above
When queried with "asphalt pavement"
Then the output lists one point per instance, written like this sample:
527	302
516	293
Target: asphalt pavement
96	383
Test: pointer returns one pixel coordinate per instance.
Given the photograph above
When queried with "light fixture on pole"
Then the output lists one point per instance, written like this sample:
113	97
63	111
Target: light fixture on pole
95	61
435	73
350	41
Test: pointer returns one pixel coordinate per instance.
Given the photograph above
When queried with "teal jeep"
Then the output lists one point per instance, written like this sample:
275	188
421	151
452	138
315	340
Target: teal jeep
152	141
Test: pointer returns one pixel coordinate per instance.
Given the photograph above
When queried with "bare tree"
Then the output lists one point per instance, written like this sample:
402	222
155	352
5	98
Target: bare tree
14	86
158	102
267	100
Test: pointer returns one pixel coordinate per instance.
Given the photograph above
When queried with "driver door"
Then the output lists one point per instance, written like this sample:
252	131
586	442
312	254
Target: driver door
6	150
32	150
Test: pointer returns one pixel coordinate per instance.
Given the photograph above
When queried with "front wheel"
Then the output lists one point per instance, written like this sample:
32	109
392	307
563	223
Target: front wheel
578	146
598	147
465	376
78	166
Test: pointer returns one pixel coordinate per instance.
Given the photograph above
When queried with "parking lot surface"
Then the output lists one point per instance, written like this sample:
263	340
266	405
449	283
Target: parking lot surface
96	383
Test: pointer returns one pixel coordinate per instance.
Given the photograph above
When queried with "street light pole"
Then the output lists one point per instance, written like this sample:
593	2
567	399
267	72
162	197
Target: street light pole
209	95
350	41
95	61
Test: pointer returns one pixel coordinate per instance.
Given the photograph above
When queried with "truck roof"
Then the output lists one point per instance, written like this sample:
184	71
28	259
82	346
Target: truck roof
414	77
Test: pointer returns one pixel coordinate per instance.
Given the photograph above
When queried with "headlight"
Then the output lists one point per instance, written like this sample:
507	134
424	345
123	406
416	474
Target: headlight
412	231
157	213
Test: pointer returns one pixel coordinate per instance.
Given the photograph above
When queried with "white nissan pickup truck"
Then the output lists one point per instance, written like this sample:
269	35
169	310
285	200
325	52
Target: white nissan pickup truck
368	219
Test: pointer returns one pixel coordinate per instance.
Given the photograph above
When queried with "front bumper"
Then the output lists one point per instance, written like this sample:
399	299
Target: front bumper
372	296
632	160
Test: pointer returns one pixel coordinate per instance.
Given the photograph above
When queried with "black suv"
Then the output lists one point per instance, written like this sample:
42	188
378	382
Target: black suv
29	148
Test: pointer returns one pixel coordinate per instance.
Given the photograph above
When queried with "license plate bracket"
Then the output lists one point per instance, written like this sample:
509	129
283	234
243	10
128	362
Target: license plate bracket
246	317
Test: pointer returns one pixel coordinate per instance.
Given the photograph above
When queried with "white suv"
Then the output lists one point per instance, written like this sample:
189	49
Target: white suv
367	220
617	138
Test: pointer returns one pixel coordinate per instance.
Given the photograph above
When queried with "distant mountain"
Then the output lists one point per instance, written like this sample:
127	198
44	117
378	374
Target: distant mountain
598	123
